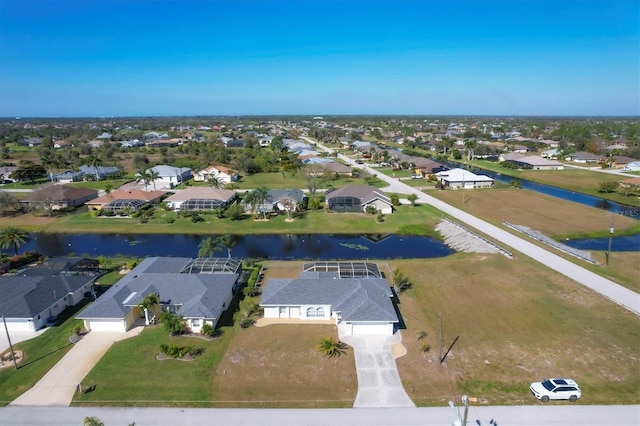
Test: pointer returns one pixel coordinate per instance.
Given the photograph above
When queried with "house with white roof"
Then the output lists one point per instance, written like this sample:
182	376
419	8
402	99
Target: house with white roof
224	174
169	176
463	179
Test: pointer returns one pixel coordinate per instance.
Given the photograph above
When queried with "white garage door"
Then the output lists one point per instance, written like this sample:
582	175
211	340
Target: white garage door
107	325
372	328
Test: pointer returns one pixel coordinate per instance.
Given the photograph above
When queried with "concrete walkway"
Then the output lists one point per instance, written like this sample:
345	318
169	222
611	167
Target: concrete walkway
379	384
58	386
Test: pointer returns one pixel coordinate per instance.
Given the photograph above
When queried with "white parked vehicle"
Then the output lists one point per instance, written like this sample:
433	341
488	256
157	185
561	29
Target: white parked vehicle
556	389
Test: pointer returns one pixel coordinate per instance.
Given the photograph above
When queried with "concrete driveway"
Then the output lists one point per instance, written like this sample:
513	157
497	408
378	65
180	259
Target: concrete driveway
58	386
379	384
17	336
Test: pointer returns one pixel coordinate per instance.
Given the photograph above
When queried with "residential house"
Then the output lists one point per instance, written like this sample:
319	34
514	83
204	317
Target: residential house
463	179
5	173
583	157
33	141
632	184
337	169
621	161
169	176
68	177
56	196
553	153
356	198
632	167
353	295
279	200
224	174
426	167
99	172
510	156
32	298
200	198
125	201
235	143
199	290
361	146
536	162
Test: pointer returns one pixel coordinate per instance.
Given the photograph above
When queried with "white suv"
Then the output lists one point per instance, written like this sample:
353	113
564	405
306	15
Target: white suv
556	389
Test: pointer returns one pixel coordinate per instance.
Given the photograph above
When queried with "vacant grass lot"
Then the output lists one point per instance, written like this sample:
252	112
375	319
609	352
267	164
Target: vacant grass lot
517	323
556	218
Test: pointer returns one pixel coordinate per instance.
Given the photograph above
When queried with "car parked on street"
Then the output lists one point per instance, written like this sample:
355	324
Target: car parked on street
556	388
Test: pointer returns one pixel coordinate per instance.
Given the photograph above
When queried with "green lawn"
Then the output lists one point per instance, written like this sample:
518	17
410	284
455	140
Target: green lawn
40	354
421	218
130	375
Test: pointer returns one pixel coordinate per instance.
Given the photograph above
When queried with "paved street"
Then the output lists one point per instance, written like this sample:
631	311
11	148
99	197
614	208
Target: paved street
611	290
534	415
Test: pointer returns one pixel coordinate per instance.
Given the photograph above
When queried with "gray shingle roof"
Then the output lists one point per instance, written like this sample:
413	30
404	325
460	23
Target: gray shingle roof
35	289
199	295
357	299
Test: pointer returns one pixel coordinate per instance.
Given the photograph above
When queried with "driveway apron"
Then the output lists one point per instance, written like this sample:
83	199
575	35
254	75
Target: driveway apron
379	384
58	386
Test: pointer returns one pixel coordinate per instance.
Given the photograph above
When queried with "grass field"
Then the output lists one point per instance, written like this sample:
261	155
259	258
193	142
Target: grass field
418	220
517	323
584	181
556	218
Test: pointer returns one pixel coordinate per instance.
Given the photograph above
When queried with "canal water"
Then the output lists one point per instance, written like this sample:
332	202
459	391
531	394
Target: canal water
275	247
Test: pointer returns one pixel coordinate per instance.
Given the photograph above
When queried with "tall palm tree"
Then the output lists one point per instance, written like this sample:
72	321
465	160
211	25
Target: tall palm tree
262	196
13	236
142	176
153	175
226	241
207	247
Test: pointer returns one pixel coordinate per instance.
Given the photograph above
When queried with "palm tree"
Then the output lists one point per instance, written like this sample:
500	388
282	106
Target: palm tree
207	247
262	196
147	305
251	200
214	181
331	347
226	241
142	176
153	175
13	236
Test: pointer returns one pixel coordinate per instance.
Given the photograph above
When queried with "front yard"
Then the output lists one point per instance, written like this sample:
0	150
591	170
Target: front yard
517	323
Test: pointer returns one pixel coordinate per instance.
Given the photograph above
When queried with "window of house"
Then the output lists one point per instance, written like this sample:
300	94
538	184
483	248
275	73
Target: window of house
320	312
311	313
195	322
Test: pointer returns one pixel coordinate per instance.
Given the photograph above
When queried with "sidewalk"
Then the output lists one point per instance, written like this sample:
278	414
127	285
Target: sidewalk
58	386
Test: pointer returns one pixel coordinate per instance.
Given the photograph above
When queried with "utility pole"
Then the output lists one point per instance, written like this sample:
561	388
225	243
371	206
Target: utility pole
13	355
608	254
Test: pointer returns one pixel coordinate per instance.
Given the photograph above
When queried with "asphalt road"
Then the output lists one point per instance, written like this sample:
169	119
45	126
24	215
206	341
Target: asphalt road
609	289
535	415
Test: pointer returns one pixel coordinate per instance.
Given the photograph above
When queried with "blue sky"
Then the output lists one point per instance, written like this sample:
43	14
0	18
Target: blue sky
164	57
